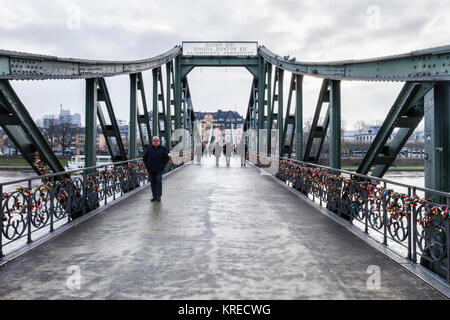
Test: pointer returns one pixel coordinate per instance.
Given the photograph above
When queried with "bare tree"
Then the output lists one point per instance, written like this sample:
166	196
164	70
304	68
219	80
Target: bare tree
50	130
66	134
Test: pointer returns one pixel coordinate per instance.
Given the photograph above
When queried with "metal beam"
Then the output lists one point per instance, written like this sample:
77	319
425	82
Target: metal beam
318	132
423	65
155	112
21	129
299	117
178	92
110	131
90	139
26	66
133	116
335	124
143	119
437	137
170	83
290	123
405	114
219	61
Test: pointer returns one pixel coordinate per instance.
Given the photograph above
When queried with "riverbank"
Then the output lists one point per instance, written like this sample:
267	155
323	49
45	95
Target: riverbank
20	164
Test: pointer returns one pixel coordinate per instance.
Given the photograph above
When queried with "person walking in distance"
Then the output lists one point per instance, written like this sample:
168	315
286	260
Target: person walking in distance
218	152
228	149
241	149
156	159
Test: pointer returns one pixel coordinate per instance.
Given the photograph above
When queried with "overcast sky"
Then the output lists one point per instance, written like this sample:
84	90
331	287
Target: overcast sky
309	30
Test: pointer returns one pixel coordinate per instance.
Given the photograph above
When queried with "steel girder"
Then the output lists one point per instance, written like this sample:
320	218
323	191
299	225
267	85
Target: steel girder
293	124
335	124
423	65
21	129
25	66
249	119
170	98
437	139
133	116
110	130
277	99
159	113
405	114
143	119
317	134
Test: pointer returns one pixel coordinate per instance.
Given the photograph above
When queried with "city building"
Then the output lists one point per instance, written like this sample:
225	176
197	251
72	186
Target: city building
221	125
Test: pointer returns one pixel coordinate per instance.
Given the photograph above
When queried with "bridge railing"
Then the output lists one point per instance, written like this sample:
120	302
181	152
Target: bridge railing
33	207
411	220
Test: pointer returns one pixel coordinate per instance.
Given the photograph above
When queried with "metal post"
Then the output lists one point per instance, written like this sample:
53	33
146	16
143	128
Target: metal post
29	212
90	143
52	206
409	227
261	98
280	123
155	113
385	215
168	124
437	141
414	230
271	90
448	242
1	225
366	209
178	92
335	121
299	117
133	116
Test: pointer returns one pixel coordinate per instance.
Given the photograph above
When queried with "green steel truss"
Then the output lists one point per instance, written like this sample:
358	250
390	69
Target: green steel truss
293	124
22	130
143	120
173	106
405	115
275	116
110	129
318	133
160	123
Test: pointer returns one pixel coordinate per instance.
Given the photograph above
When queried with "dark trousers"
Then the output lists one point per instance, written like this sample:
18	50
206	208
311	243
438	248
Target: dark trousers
156	183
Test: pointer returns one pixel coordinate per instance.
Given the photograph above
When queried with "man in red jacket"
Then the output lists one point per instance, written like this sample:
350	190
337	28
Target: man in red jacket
156	159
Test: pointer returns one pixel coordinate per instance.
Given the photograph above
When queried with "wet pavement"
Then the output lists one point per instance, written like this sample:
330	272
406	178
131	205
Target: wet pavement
220	233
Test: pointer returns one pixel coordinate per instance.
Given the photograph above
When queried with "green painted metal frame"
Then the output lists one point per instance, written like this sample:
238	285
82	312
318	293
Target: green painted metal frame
437	138
143	119
110	131
90	139
22	130
276	100
316	131
170	98
298	117
133	116
294	120
335	124
159	104
406	114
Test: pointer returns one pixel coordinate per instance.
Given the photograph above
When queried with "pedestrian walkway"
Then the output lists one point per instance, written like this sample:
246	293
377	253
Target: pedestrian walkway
219	233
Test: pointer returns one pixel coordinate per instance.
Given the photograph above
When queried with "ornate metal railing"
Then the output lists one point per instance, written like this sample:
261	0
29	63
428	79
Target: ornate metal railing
413	218
40	204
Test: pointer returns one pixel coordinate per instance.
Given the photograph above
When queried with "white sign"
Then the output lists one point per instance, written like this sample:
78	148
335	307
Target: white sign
220	48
